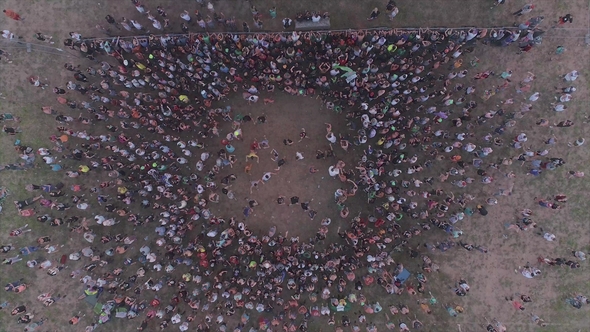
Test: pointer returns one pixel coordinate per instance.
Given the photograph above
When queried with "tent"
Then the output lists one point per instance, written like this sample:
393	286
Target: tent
403	276
121	312
104	317
97	308
92	300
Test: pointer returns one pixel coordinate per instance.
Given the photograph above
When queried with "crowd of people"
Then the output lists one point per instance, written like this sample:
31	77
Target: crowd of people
145	111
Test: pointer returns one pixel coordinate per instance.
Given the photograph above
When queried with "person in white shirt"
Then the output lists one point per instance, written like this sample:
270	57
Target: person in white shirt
393	13
136	24
185	16
8	35
151	257
157	286
175	319
145	250
252	89
99	219
565	98
109	222
471	34
571	76
469	147
125	25
50	249
267	176
287	22
75	35
331	137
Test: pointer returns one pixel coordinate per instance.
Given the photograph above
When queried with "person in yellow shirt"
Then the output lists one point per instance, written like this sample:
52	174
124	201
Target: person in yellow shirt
252	155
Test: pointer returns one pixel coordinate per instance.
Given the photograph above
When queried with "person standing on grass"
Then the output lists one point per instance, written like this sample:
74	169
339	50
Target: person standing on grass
156	24
111	20
273	12
12	14
374	14
136	25
287	22
393	13
125	25
258	22
185	16
498	2
390	6
568	18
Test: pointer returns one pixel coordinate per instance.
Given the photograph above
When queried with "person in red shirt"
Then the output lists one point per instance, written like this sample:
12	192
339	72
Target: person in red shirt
12	14
566	19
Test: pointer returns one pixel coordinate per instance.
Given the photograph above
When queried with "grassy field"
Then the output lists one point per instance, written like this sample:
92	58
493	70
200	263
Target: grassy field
492	276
